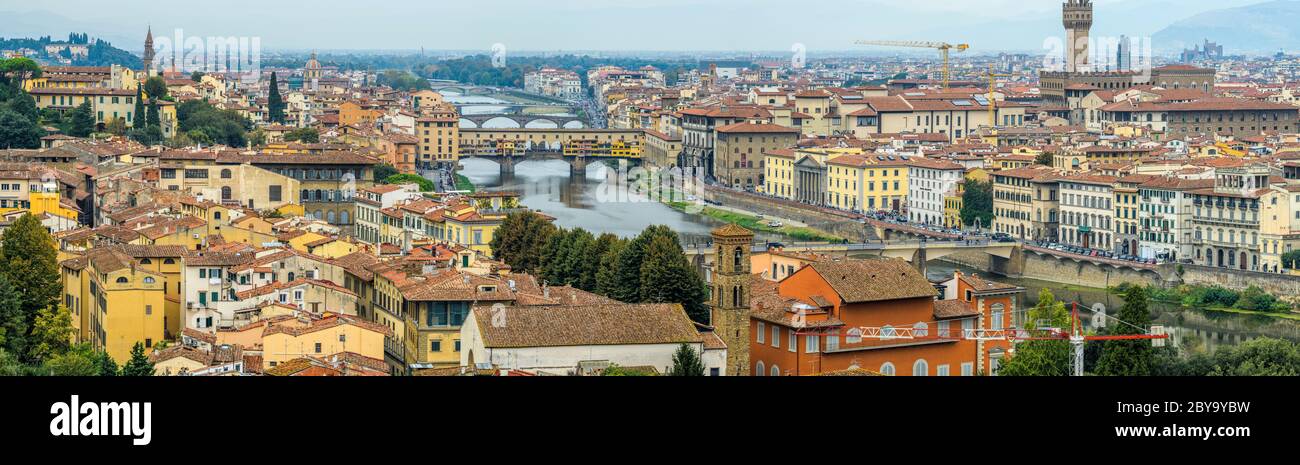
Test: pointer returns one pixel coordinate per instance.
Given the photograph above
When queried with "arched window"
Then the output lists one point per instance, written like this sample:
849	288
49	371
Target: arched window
168	261
739	255
996	320
887	369
855	336
225	174
148	280
920	329
122	280
343	218
887	332
776	371
145	261
921	368
330	216
225	193
758	368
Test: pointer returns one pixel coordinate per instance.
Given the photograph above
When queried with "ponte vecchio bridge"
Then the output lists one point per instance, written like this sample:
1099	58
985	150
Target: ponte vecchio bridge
576	146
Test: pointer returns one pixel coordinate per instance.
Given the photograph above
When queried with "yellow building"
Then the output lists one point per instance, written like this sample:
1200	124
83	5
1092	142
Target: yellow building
334	334
242	184
115	303
952	204
439	137
106	104
32	189
867	182
778	173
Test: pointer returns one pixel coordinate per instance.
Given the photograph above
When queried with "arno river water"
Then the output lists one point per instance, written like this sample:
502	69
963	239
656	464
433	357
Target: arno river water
545	185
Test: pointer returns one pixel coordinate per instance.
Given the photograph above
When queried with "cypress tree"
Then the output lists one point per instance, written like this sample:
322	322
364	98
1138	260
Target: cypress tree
275	103
137	118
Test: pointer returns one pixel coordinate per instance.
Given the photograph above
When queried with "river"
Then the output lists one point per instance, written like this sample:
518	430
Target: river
545	185
1193	330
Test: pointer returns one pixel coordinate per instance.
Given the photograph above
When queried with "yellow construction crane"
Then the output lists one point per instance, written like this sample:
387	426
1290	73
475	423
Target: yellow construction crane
941	46
993	84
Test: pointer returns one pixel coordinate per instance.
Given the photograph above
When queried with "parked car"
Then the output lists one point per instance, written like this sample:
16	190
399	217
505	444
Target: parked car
774	224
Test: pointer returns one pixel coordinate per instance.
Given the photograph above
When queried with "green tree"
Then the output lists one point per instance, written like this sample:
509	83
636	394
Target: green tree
51	333
977	203
607	269
405	178
137	118
225	127
155	88
18	132
626	280
107	367
19	70
1044	159
614	370
1042	357
591	264
139	364
304	135
82	121
196	76
151	116
1128	357
257	138
274	103
686	362
554	268
384	170
24	105
116	126
13	322
28	258
520	239
667	277
80	360
1258	357
1291	260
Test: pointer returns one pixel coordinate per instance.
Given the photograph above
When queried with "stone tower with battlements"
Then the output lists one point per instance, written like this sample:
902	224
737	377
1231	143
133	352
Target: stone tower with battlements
730	296
1077	17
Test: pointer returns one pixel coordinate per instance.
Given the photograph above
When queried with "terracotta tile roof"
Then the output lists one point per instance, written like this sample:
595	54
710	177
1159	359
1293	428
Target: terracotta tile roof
731	230
870	280
615	324
949	309
981	285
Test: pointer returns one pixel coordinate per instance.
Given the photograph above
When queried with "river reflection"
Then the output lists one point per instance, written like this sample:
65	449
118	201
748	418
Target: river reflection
1193	330
545	185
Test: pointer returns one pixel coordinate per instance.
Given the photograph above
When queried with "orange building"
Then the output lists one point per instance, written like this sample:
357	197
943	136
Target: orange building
820	319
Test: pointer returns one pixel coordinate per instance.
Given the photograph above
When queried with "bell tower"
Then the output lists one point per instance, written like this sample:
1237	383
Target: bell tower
1077	17
730	295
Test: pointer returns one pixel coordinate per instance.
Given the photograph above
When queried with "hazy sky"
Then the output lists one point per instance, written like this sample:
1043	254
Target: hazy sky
550	25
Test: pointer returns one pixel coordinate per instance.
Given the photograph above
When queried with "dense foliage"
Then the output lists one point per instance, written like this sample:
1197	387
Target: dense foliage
202	122
977	203
425	184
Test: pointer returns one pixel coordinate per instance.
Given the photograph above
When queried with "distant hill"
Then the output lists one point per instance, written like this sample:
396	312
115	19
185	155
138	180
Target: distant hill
1261	28
98	52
